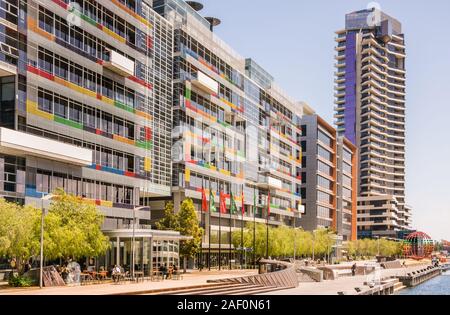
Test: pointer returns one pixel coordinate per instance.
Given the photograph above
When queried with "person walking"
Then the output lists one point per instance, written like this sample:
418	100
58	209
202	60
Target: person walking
354	270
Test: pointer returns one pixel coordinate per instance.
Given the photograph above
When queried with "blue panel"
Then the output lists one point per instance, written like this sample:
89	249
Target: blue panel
350	87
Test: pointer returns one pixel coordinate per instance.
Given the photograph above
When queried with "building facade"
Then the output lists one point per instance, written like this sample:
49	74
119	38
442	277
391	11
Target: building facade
234	133
86	99
370	112
329	178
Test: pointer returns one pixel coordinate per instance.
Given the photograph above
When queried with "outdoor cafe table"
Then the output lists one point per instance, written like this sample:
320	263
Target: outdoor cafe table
139	275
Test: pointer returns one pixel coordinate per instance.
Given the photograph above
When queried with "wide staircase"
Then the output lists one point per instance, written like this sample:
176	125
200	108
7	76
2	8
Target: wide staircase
284	278
398	286
224	289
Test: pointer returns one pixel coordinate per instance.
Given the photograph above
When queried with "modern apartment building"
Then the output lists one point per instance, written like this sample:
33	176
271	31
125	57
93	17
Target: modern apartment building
234	132
370	112
329	178
86	99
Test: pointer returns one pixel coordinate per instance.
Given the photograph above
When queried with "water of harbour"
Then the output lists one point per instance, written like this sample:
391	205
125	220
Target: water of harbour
436	286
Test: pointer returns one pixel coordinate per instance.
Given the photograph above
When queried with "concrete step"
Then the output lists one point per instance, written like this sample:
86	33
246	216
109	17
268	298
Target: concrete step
217	288
248	290
399	286
174	290
260	291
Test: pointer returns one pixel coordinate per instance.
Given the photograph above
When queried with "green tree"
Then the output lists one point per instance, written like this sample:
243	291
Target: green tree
170	221
185	222
73	228
189	226
19	232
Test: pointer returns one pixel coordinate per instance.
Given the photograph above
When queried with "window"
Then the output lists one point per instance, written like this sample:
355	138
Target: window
324	138
323	212
324	183
45	101
347	181
347	168
304	130
75	112
324	197
61	107
322	152
324	168
347	155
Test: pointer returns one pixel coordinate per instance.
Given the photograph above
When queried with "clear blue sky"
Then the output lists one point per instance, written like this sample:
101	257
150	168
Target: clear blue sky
294	41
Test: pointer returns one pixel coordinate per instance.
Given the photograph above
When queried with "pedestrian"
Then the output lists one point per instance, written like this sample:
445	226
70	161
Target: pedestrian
354	270
116	273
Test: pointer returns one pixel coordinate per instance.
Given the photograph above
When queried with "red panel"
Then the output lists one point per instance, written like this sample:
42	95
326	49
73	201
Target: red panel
61	3
33	69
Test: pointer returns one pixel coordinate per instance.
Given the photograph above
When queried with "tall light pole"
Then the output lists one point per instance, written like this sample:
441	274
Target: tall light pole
314	239
134	240
41	262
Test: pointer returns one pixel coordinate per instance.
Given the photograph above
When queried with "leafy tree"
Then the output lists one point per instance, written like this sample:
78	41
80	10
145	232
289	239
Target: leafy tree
185	222
189	226
73	228
170	220
19	232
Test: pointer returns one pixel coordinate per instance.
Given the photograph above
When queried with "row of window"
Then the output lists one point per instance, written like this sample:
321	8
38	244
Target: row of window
81	76
105	17
67	108
104	156
184	40
47	182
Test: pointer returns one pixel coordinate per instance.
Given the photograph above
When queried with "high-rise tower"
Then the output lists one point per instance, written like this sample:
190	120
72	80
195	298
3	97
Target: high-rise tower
370	111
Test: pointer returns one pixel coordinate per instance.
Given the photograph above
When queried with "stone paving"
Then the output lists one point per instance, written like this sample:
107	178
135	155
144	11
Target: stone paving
194	278
190	279
345	284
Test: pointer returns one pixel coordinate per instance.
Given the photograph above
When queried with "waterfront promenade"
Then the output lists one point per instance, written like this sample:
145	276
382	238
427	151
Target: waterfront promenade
195	279
344	284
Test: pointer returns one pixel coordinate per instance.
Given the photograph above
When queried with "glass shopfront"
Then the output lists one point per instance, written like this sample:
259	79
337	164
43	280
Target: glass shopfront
152	250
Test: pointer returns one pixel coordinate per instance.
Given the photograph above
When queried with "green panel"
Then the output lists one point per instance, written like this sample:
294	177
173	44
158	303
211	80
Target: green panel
89	20
188	94
144	145
124	107
68	122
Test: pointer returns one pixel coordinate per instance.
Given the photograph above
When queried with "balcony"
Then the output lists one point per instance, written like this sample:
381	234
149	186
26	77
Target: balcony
205	83
119	64
269	182
23	144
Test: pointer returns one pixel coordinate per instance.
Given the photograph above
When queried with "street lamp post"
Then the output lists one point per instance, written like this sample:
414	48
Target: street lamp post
133	248
41	260
313	244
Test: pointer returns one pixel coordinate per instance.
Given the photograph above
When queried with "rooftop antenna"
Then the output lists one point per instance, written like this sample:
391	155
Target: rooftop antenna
197	6
213	21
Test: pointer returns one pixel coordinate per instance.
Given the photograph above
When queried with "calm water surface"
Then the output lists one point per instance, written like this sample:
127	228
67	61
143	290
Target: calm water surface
436	286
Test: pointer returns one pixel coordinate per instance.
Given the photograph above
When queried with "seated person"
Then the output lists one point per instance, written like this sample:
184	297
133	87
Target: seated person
116	273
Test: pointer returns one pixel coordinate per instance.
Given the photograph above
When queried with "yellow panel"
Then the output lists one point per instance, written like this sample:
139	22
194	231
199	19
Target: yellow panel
187	175
147	164
107	204
107	100
32	108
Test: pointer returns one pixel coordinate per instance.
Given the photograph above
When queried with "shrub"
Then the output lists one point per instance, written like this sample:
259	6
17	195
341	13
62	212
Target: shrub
20	281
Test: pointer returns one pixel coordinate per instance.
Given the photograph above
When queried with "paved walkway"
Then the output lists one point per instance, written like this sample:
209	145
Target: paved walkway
345	284
191	279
